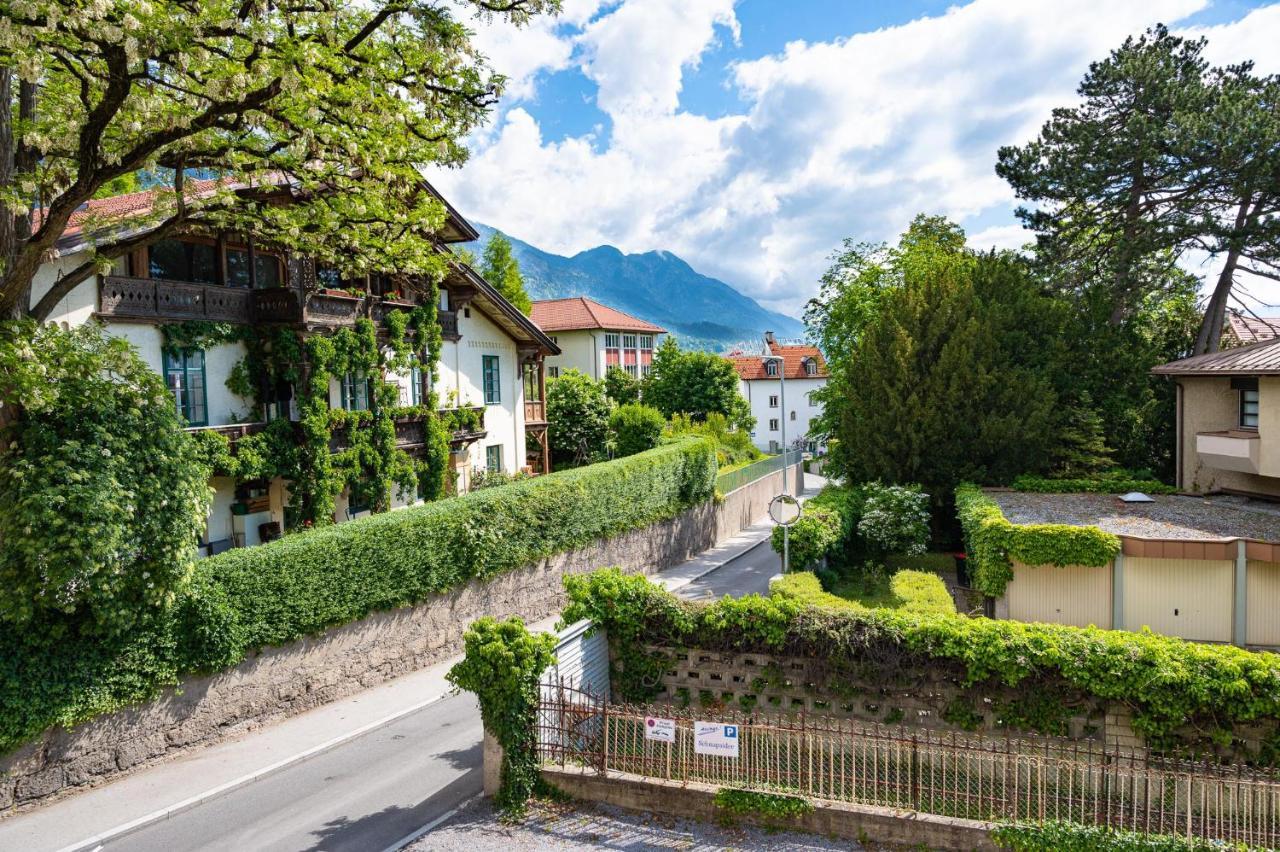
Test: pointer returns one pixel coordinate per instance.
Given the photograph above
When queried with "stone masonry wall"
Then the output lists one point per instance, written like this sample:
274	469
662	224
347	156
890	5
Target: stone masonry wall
284	681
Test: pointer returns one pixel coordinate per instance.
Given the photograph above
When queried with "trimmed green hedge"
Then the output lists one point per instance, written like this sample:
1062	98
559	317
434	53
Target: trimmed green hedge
1092	485
1167	682
917	591
1072	837
304	583
993	542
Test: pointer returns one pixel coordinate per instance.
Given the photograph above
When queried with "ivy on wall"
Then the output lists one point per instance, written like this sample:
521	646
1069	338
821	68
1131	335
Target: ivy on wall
992	542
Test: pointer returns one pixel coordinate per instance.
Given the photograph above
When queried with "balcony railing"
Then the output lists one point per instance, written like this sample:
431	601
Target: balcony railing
157	298
535	412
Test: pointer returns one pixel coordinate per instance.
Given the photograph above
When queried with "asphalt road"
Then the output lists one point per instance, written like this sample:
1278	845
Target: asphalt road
381	787
747	574
364	795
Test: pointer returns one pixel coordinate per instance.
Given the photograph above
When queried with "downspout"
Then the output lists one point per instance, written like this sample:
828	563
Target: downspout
517	414
595	356
1177	446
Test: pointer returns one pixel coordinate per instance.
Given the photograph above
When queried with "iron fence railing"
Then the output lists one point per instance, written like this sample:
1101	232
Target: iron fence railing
735	479
922	770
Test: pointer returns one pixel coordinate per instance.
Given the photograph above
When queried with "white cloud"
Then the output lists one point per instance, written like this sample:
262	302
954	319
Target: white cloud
848	137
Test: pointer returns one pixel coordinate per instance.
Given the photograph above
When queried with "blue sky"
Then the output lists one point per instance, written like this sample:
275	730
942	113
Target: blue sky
751	137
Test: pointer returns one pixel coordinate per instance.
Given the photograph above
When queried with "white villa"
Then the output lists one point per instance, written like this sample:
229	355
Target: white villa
760	381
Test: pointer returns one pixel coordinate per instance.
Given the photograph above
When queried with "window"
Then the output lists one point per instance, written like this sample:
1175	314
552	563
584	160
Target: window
412	394
493	457
773	401
628	341
328	277
553	372
444	300
773	425
611	341
771	368
555	340
646	369
184	374
266	265
632	370
646	341
532	387
793	415
810	367
1249	409
492	380
355	392
181	261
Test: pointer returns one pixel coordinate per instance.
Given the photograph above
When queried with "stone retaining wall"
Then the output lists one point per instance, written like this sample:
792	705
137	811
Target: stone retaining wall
284	681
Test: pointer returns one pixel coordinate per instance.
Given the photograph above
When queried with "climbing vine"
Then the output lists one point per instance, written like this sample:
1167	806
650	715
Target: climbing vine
502	664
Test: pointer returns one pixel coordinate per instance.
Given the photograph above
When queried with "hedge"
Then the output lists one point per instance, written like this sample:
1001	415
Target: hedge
918	591
992	542
304	583
1091	485
1072	837
1167	682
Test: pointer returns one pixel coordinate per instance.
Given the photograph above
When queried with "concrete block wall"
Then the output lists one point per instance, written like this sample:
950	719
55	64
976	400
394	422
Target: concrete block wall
280	682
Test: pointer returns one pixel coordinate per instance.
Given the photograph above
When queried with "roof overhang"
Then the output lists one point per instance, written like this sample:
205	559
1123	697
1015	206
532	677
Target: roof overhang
495	306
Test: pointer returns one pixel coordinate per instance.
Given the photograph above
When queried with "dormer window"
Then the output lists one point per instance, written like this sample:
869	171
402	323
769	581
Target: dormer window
810	367
771	368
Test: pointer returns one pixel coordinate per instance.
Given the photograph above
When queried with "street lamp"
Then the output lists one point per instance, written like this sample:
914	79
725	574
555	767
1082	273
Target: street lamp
782	393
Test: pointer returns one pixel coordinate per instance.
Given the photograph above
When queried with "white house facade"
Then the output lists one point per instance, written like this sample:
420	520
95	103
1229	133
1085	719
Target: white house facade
760	382
593	337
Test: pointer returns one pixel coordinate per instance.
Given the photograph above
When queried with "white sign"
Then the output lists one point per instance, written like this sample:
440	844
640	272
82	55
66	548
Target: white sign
715	738
662	730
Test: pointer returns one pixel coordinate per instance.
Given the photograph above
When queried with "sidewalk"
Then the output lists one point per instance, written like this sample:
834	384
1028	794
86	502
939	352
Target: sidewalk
91	817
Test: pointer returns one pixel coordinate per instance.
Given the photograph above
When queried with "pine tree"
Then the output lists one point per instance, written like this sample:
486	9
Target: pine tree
499	268
1082	445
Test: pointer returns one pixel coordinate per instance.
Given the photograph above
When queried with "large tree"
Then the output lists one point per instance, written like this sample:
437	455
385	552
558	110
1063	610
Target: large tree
332	106
1163	154
500	268
695	383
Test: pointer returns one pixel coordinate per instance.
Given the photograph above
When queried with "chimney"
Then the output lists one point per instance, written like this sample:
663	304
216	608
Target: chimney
768	338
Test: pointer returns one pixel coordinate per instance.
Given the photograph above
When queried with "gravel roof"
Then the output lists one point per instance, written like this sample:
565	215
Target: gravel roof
1170	516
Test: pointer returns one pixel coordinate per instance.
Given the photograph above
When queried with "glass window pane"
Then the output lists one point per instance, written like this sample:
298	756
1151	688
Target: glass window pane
237	268
167	259
327	276
268	270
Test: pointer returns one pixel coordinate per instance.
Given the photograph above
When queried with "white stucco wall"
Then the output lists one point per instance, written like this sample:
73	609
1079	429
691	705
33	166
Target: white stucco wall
461	371
579	350
758	391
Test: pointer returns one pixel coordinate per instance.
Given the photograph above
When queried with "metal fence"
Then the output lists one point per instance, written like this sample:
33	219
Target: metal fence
920	770
735	479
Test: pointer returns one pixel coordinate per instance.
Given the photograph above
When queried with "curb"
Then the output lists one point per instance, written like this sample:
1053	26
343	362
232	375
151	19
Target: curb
98	840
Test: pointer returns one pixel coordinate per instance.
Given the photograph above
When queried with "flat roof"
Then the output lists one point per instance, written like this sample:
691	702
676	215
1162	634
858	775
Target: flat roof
1171	516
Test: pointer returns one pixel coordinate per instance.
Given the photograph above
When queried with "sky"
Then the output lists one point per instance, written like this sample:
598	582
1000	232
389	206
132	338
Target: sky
752	137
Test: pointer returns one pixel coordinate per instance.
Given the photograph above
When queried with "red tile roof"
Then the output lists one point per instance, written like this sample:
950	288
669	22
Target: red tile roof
751	367
119	207
580	312
1248	329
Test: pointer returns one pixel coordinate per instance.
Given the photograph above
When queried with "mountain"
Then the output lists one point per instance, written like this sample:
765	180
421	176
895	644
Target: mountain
703	312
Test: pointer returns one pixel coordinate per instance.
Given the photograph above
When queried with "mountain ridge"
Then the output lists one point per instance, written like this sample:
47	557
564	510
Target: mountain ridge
658	286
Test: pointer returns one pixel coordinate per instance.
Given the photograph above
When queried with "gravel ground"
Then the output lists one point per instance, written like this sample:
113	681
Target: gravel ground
583	826
1168	517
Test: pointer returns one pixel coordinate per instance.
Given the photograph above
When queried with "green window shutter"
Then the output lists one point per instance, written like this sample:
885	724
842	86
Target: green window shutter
342	389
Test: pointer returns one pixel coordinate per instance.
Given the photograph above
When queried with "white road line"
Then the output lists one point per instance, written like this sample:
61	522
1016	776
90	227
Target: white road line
119	831
435	823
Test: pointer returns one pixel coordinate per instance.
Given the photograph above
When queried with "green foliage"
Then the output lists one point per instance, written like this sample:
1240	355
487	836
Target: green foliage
895	519
1081	449
636	428
992	542
502	664
1117	482
921	591
697	384
499	268
1178	690
947	376
733	445
933	563
774	810
578	419
303	584
104	493
621	387
194	335
910	590
1056	836
811	538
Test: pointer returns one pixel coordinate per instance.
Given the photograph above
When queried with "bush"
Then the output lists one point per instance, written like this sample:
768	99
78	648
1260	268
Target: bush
774	810
895	519
1181	693
304	583
636	428
1072	837
992	542
812	537
922	592
908	590
577	419
621	387
1091	485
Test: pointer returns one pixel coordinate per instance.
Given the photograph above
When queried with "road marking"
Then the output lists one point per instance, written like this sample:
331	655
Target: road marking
222	789
431	826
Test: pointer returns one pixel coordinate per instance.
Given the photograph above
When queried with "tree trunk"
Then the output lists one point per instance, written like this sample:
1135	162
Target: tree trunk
8	243
15	297
1209	337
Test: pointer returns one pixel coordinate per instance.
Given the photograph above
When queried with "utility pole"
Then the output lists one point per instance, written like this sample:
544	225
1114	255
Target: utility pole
782	394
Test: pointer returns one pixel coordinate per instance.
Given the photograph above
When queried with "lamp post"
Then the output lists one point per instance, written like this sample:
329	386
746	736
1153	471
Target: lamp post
782	393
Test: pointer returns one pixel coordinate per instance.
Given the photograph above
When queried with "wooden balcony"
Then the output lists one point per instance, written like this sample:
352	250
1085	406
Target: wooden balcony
120	297
535	413
448	324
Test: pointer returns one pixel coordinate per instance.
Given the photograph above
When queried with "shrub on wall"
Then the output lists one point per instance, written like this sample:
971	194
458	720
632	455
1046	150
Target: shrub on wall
992	542
636	427
304	583
1072	837
1182	694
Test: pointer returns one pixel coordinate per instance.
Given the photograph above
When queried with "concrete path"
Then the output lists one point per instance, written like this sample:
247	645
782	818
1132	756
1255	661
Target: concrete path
321	780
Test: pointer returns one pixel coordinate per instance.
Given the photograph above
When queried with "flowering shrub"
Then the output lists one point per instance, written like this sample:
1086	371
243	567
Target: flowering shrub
895	519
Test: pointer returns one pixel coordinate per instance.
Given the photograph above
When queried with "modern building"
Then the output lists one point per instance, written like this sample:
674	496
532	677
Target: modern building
760	381
491	360
593	337
1228	419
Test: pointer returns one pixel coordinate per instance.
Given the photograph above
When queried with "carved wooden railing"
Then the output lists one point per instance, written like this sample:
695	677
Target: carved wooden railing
157	298
535	412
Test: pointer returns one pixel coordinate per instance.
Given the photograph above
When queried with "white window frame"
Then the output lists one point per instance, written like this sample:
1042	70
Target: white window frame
773	400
